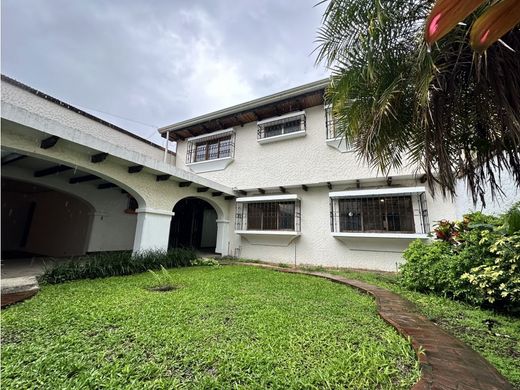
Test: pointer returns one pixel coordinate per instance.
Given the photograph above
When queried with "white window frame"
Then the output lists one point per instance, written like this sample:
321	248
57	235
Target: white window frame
284	136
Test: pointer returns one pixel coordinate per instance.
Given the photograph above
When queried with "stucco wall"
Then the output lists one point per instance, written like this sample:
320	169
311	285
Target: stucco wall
289	162
495	206
316	245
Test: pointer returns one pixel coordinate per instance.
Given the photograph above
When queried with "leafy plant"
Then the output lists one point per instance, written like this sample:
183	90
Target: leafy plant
163	281
107	264
399	102
512	219
205	262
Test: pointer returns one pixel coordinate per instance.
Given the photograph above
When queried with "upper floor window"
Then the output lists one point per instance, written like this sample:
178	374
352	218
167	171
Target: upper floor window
212	152
282	127
334	136
211	147
330	123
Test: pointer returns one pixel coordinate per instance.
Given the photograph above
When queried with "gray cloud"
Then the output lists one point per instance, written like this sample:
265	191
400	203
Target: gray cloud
159	62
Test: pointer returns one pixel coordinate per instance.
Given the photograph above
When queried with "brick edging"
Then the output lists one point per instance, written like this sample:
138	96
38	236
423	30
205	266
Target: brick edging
446	362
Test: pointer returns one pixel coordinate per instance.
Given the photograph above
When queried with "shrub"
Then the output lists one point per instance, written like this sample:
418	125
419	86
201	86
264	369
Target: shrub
512	219
475	260
497	282
115	264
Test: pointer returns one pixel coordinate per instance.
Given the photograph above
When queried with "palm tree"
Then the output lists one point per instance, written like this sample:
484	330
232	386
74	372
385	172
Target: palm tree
446	109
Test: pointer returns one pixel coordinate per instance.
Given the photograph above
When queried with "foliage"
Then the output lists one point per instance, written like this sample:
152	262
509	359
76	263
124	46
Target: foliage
205	262
500	345
475	260
497	19
512	219
441	109
231	327
162	281
497	282
107	264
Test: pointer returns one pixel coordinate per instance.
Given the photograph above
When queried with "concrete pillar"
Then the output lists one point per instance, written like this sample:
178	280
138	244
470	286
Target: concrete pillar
222	237
153	229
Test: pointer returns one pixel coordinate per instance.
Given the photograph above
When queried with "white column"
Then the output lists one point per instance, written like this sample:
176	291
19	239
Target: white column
222	237
153	229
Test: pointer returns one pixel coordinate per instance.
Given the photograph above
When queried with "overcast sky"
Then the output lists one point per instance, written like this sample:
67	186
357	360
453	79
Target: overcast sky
162	61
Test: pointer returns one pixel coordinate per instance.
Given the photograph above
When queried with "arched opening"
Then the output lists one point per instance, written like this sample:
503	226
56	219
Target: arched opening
38	221
194	225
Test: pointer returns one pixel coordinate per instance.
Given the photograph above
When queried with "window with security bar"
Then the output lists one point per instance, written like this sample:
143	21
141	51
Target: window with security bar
284	215
281	126
330	124
211	148
378	214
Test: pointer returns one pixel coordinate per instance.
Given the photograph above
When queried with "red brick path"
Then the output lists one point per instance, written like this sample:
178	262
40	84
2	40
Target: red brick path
446	362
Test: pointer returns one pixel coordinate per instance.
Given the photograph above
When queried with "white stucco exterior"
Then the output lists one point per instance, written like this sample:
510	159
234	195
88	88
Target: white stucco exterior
302	166
289	161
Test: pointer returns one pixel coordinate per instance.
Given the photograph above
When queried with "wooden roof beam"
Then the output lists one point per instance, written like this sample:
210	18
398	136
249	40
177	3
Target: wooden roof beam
48	143
97	158
135	169
105	186
51	170
82	179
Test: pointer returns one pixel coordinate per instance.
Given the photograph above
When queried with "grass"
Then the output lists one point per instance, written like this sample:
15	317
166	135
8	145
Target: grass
231	327
500	346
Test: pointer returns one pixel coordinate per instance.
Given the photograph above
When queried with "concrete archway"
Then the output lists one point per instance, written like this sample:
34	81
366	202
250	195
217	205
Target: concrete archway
194	225
199	223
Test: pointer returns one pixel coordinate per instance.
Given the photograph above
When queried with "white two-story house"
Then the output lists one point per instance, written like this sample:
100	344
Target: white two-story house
301	196
268	179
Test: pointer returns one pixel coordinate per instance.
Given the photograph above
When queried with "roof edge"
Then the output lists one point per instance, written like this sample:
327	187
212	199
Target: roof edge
293	92
61	103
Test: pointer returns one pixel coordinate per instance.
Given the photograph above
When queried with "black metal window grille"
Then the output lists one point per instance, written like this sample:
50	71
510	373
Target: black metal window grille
376	214
211	148
330	124
281	126
424	213
283	215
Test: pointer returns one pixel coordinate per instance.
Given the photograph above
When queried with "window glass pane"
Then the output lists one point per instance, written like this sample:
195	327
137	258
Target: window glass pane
212	150
225	147
286	216
271	131
291	126
200	152
271	216
254	216
350	215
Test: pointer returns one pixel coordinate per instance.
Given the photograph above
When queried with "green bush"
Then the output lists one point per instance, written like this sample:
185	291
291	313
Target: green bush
107	264
497	281
479	264
512	219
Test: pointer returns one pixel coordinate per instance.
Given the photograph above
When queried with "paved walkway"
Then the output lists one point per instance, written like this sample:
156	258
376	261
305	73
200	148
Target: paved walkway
447	363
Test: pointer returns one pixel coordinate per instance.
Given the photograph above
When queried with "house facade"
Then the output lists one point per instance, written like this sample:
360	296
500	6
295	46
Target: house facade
268	179
302	196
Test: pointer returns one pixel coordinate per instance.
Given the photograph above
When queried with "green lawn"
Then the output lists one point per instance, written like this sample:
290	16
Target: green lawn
501	346
225	327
